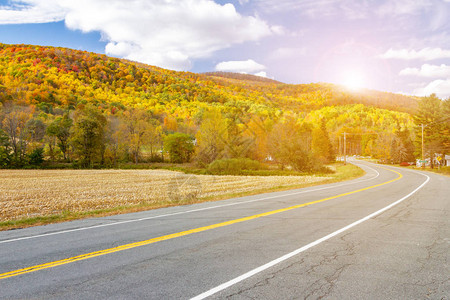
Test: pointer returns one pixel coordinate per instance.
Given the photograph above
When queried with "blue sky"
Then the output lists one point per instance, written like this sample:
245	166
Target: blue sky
388	45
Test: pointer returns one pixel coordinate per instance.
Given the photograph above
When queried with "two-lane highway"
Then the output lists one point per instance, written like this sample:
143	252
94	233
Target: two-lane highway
385	235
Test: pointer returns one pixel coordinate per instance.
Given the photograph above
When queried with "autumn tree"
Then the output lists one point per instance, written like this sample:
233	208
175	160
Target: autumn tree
135	130
237	145
170	123
289	144
212	137
321	144
155	140
258	129
14	120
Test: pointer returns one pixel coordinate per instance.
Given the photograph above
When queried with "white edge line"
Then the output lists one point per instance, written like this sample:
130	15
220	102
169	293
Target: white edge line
304	248
183	212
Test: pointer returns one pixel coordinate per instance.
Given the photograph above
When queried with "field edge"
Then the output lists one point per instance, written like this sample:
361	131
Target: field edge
343	173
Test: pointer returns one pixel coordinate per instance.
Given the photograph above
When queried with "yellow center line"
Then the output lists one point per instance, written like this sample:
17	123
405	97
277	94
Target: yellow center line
178	234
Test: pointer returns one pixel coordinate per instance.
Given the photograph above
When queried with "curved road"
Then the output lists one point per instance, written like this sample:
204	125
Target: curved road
383	236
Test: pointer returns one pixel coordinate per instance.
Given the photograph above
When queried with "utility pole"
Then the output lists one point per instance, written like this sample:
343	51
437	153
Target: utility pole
423	164
345	148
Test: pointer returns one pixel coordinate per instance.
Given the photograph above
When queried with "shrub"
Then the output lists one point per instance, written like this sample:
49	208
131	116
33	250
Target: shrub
36	157
233	166
180	147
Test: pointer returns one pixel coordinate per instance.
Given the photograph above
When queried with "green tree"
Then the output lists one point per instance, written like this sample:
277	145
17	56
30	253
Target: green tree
35	128
36	157
135	131
60	128
88	135
446	126
180	147
402	148
431	115
113	141
5	150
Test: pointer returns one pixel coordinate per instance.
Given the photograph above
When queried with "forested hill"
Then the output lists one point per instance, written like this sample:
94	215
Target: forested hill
241	77
65	77
49	96
318	94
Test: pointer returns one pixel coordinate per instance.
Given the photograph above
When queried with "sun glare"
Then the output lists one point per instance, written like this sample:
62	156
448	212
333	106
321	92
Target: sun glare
354	80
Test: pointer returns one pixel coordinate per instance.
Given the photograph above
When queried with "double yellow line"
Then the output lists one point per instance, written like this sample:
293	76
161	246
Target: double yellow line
178	234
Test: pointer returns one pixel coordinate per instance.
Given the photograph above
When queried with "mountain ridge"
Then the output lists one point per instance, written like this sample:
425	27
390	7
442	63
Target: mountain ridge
108	73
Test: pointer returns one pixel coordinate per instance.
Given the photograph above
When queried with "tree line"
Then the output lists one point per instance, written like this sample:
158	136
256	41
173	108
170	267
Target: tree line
91	137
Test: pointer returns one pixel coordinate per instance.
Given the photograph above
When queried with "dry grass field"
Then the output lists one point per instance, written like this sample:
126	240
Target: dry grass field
36	193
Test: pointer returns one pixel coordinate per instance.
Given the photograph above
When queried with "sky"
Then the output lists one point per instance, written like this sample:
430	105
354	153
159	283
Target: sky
400	46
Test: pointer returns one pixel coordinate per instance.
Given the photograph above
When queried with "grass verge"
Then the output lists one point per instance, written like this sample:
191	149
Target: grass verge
441	170
342	173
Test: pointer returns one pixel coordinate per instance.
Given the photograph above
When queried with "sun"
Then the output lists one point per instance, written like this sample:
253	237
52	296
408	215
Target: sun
354	80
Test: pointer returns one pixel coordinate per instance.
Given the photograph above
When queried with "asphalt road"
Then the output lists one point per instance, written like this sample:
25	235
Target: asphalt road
383	236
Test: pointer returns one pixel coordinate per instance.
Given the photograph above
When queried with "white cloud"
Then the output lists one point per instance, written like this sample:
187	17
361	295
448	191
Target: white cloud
279	30
120	49
439	87
424	54
428	71
244	67
240	66
261	74
165	33
31	11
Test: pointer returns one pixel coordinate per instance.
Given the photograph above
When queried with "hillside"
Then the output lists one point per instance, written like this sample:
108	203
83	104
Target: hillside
35	74
51	81
318	94
239	77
